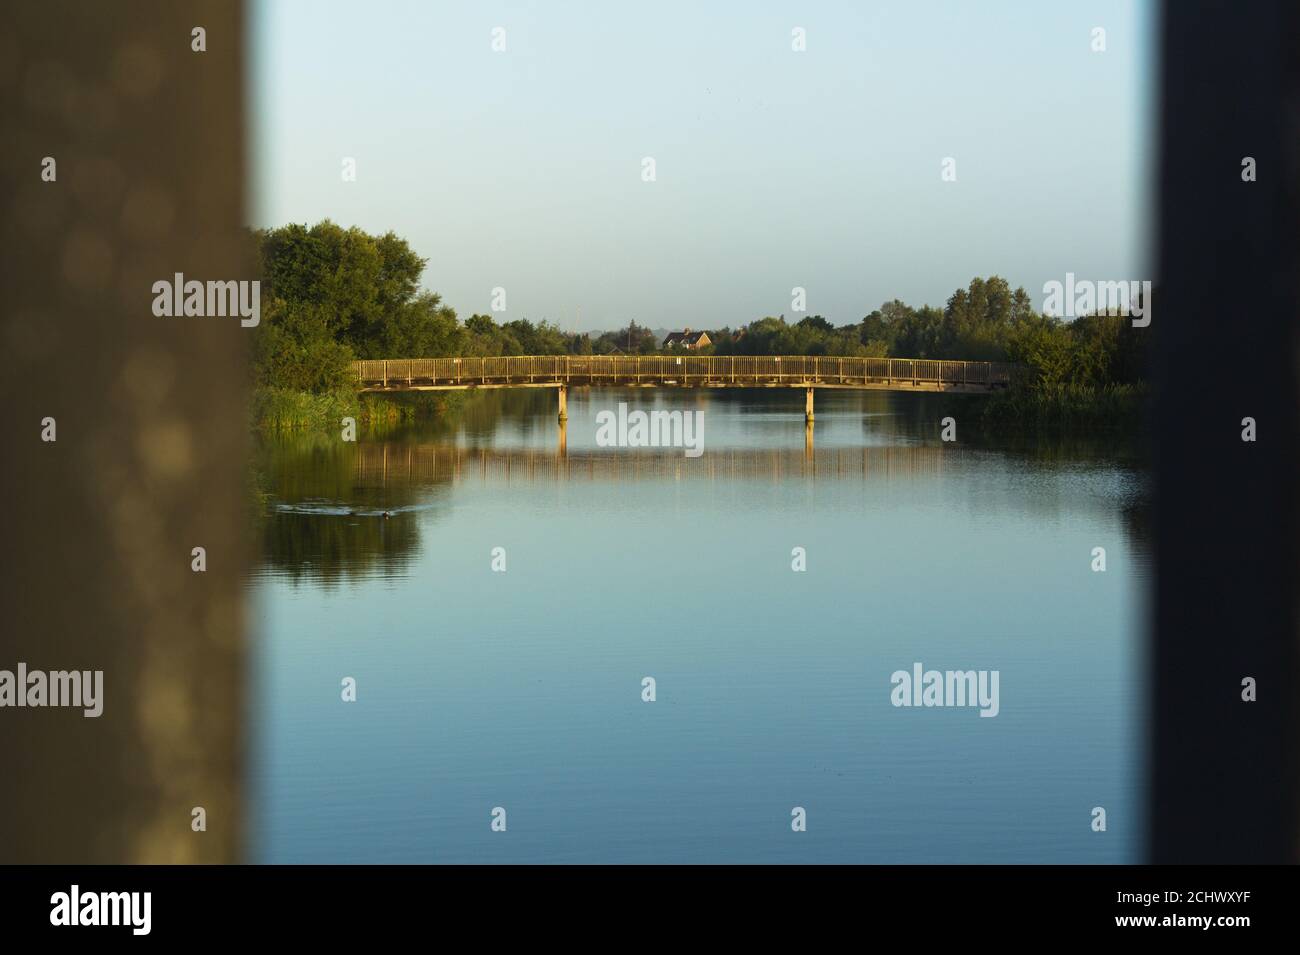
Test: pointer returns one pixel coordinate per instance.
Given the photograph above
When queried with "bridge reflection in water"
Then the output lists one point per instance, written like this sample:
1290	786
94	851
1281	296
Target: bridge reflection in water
403	463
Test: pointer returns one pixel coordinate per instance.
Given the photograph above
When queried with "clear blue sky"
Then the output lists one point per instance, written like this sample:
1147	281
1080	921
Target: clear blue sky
775	169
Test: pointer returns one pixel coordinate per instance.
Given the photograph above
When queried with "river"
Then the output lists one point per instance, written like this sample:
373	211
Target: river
523	689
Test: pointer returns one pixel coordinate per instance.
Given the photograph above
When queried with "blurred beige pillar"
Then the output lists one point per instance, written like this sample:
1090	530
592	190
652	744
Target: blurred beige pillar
147	142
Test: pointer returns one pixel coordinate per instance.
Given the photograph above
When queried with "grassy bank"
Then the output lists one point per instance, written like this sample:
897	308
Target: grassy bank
285	409
1036	407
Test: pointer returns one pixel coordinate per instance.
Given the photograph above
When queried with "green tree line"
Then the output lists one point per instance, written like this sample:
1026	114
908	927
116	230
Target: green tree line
331	295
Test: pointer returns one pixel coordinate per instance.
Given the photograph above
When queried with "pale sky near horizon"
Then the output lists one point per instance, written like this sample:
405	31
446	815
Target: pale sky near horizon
775	169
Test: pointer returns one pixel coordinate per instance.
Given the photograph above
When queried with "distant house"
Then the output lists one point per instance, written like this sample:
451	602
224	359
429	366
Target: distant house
687	339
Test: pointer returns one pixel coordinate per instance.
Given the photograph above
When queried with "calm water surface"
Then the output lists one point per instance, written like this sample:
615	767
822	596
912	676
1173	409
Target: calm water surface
522	689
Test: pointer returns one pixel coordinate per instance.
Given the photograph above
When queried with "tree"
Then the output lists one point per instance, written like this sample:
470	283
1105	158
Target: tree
335	294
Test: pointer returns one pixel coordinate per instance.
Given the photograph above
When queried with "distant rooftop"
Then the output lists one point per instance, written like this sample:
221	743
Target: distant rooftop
686	339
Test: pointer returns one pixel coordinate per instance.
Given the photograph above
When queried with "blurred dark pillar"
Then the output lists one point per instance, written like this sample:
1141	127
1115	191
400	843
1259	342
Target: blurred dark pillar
150	457
1225	327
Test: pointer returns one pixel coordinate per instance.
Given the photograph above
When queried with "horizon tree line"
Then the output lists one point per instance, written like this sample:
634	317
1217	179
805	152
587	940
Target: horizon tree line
331	295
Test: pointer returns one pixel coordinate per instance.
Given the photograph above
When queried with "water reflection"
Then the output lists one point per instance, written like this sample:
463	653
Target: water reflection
483	686
337	509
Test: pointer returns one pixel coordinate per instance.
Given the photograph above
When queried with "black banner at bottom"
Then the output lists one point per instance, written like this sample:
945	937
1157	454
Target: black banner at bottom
373	903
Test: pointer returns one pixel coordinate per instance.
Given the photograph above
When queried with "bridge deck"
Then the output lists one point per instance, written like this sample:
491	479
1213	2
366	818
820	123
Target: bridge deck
681	371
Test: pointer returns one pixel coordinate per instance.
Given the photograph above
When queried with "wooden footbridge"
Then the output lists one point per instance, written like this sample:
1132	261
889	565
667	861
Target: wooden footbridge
682	371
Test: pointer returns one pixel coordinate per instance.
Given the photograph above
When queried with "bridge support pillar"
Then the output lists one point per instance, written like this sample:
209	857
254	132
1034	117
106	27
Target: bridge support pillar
808	406
564	404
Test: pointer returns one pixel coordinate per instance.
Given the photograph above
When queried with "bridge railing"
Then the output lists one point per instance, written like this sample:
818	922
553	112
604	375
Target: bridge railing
677	369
